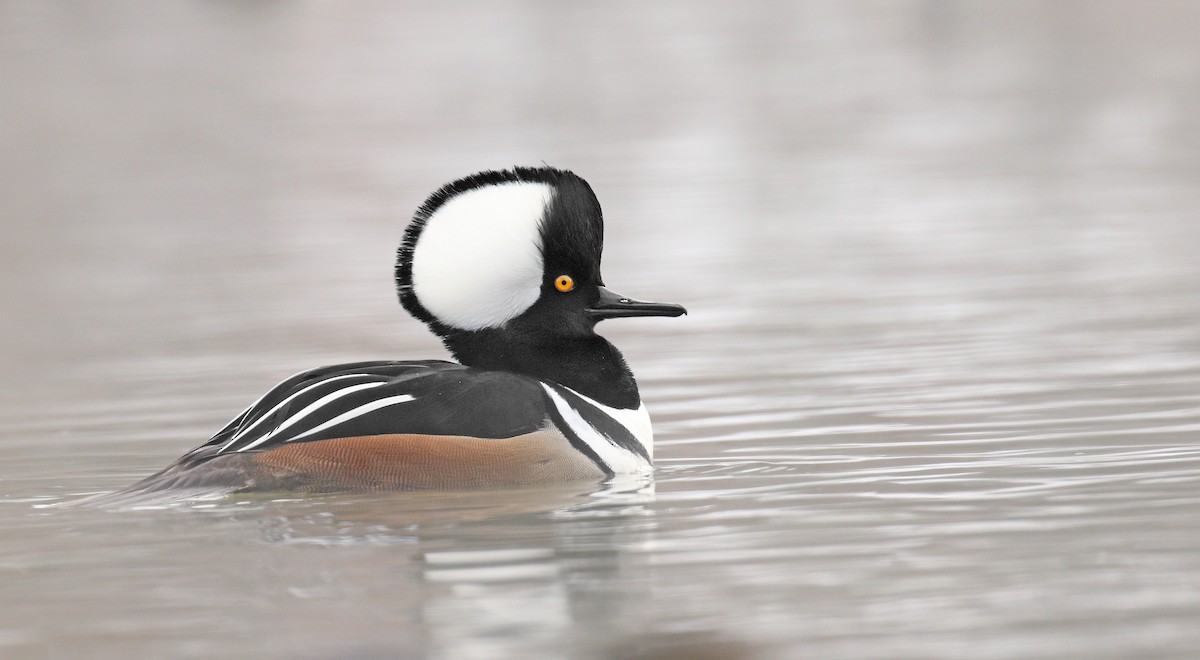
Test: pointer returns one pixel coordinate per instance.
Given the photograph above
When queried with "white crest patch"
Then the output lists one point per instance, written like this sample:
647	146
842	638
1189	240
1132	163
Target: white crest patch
478	261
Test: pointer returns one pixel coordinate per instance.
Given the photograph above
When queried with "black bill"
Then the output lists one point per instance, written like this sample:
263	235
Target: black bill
614	305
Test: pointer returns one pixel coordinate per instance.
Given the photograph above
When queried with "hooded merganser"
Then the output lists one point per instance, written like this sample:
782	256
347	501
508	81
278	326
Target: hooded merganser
504	266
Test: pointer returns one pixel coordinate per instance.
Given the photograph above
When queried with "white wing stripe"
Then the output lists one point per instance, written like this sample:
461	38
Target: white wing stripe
333	396
281	404
361	410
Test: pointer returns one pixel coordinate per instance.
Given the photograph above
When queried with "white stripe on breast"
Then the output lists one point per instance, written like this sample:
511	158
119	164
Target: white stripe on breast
361	410
636	420
309	409
618	459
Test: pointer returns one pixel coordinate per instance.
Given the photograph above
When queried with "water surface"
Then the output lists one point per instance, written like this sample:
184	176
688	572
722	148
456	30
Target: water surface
938	394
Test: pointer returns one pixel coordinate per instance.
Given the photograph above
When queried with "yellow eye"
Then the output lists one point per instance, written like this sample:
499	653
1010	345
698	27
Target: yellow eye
564	283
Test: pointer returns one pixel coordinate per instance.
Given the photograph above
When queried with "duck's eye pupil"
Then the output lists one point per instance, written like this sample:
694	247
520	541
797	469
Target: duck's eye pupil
564	283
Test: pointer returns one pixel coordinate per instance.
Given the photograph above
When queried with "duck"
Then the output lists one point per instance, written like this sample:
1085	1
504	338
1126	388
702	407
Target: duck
504	267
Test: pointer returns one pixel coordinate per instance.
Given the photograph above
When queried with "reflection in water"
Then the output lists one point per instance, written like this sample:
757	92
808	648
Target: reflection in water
481	578
937	395
358	518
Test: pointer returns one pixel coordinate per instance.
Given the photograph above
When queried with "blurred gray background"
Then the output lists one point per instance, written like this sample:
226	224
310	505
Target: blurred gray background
938	394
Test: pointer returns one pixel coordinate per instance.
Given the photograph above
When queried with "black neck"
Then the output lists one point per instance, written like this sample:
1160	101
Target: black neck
589	365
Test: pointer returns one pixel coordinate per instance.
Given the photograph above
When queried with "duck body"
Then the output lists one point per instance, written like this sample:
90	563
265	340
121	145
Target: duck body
505	267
